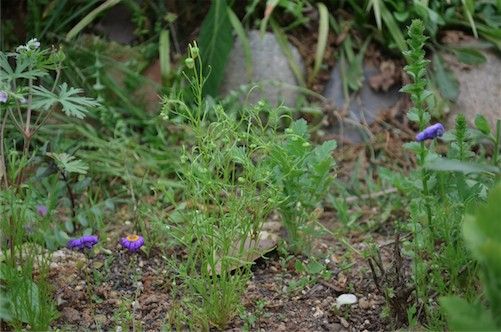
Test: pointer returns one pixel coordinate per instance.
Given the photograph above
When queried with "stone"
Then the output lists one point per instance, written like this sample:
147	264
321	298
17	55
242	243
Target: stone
345	299
117	24
364	304
364	106
344	322
71	315
271	72
479	90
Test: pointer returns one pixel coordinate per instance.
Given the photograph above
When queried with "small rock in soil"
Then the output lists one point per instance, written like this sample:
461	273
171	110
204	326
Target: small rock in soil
364	303
344	322
271	71
70	315
364	106
479	89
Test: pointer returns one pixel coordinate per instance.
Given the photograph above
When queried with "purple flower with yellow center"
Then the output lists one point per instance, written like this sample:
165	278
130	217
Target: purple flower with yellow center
132	242
3	97
86	241
42	210
431	132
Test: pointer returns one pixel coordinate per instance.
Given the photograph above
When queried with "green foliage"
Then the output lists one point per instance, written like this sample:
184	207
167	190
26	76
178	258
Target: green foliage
72	104
303	173
216	41
69	164
482	235
441	190
445	79
237	170
30	79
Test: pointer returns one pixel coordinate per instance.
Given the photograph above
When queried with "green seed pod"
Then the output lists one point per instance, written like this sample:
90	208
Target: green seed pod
194	52
189	62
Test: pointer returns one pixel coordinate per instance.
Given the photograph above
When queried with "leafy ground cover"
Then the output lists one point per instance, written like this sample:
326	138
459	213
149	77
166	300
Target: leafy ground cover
198	211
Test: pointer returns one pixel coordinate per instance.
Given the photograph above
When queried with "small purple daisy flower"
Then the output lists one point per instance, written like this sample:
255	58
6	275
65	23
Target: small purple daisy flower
431	132
132	242
3	97
42	210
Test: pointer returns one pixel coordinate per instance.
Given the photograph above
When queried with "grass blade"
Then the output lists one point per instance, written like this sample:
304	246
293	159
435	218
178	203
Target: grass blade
89	18
216	41
164	54
323	34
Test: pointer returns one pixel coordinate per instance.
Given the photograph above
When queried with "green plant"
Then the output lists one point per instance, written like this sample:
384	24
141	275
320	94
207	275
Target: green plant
481	232
303	174
442	189
31	94
228	198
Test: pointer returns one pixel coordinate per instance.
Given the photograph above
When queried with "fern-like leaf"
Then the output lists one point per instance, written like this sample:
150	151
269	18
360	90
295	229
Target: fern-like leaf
68	97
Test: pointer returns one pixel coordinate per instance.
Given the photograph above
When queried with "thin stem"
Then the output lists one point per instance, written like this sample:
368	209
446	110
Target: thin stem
18	125
70	193
28	116
496	143
3	168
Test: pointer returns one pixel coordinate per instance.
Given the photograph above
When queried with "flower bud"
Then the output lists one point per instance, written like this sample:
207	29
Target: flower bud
189	62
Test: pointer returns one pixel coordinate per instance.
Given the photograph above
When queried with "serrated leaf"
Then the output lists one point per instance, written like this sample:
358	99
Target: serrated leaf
469	56
68	163
216	41
71	103
300	128
445	79
413	115
22	69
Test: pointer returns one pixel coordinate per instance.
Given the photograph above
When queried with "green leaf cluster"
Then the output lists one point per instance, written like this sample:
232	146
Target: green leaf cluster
482	233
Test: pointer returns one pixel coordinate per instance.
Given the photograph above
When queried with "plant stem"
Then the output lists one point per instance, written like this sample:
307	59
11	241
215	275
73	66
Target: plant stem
3	168
70	193
496	143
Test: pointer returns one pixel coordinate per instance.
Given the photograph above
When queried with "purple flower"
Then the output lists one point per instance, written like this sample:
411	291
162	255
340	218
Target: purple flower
75	244
42	210
3	96
132	242
86	241
89	240
431	132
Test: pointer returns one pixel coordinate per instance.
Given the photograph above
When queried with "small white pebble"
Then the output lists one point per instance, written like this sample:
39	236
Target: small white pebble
345	299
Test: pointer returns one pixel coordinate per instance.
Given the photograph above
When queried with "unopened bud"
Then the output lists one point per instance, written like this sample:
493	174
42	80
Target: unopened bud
189	62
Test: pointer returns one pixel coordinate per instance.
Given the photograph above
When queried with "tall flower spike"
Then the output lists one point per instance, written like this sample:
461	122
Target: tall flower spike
431	132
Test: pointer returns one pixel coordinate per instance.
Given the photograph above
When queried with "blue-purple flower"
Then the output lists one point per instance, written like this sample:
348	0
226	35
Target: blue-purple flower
42	210
431	132
75	244
86	241
132	242
3	97
89	241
